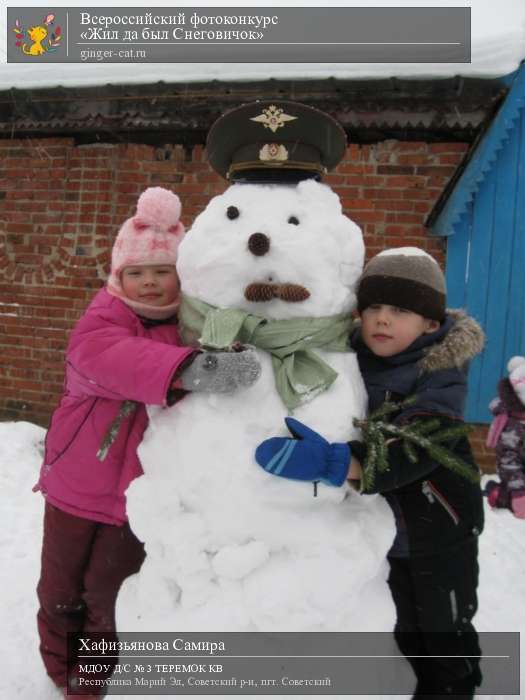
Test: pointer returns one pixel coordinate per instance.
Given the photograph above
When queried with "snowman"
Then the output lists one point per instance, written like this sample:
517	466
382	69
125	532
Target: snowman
272	263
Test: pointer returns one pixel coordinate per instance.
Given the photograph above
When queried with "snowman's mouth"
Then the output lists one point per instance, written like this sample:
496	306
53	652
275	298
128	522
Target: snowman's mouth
266	291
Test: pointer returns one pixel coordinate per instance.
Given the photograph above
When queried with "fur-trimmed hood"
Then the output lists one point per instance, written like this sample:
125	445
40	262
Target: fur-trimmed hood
461	344
433	368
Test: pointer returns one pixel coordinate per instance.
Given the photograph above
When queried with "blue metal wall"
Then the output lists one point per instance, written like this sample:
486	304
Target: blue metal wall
486	268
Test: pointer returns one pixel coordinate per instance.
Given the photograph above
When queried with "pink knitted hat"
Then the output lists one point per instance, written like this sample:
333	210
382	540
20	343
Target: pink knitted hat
151	237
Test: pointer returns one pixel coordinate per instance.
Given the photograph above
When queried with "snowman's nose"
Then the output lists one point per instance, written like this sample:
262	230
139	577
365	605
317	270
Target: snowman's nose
258	244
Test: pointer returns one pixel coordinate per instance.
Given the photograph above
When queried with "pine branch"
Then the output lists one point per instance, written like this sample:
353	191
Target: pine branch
429	425
424	433
389	407
410	451
450	460
451	433
382	456
126	409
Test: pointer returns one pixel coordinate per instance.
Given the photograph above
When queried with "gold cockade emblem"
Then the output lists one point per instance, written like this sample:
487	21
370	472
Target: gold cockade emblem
273	118
273	152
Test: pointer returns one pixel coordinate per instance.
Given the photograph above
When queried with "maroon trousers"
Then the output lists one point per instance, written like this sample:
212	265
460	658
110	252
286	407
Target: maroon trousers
83	566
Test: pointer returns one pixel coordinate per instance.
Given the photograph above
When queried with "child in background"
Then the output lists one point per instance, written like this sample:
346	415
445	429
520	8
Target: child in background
409	346
507	436
125	348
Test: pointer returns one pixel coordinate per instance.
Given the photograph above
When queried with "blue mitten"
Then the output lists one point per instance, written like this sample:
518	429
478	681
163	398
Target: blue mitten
306	457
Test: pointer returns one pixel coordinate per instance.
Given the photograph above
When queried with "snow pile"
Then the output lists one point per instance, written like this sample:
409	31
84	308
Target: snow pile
218	529
21	512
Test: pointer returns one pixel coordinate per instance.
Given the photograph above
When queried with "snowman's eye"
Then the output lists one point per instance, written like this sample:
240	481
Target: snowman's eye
293	220
232	212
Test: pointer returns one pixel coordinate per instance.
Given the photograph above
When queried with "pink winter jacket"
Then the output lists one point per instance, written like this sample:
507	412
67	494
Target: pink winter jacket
110	357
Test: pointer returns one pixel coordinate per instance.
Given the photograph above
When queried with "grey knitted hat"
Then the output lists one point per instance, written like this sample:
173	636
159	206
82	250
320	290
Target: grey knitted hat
406	277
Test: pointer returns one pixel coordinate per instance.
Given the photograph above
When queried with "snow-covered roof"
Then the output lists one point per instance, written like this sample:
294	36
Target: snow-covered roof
482	160
369	110
498	46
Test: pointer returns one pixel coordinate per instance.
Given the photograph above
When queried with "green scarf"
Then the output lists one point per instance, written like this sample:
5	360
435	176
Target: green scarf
300	374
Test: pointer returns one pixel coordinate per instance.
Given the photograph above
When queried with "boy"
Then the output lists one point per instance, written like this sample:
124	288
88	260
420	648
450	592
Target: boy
408	345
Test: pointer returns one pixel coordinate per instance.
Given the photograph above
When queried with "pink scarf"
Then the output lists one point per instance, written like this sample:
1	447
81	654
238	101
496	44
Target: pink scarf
156	313
496	428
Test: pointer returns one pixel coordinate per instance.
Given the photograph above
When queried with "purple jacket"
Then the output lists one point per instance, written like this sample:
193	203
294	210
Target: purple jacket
507	435
110	357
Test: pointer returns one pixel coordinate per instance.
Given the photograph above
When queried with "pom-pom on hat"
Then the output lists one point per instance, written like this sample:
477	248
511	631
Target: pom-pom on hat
151	237
406	277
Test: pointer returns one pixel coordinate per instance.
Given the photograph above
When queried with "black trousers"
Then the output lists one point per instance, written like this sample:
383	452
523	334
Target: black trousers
435	599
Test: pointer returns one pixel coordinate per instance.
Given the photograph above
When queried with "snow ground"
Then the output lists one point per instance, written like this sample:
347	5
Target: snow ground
501	593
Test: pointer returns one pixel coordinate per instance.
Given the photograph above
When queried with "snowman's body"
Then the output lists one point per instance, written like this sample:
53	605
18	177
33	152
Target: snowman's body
229	546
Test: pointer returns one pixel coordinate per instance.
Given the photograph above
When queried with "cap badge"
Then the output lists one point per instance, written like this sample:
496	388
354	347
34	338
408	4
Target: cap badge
273	152
273	118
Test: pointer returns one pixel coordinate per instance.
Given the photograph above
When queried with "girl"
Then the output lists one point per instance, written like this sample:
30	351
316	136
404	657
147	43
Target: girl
123	353
507	436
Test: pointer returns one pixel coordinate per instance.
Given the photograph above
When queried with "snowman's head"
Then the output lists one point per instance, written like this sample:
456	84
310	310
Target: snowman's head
275	250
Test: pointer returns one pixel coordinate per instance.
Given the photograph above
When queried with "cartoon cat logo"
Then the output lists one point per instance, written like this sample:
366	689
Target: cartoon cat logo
37	35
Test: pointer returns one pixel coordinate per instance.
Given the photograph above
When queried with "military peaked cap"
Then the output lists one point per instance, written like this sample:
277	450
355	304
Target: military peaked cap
275	141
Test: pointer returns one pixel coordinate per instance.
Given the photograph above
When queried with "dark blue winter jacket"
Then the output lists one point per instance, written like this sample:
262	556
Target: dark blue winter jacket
435	508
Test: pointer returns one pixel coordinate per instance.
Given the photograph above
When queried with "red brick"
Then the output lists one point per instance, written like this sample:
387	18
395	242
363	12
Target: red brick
397	205
368	216
358	203
355	168
349	192
439	170
437	182
451	159
395	170
414	159
406	181
366	180
411	146
421	194
447	147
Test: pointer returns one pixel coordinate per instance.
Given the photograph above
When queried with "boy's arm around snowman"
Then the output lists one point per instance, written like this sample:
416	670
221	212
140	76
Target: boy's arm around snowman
307	456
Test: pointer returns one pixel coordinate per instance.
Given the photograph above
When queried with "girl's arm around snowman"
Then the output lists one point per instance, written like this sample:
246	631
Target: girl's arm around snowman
110	356
107	358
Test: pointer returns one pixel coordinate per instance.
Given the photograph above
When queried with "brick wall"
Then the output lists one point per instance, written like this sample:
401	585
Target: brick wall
61	205
485	457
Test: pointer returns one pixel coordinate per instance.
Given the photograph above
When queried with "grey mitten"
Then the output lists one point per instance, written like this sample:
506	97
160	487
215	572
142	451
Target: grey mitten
221	372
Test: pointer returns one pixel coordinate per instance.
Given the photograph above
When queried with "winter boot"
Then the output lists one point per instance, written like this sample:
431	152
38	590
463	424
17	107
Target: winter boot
497	495
517	503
